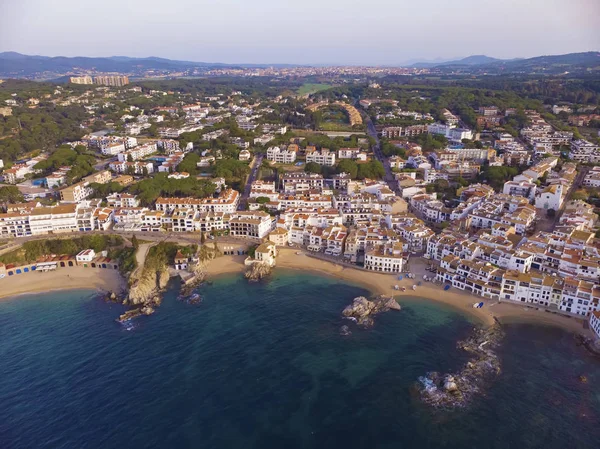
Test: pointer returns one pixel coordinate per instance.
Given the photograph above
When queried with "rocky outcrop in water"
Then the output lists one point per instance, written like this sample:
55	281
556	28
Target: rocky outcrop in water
457	389
257	271
362	310
591	344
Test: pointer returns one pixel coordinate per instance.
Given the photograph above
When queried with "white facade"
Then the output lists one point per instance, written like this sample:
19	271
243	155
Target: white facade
321	157
255	224
113	149
595	323
550	198
137	153
385	258
279	156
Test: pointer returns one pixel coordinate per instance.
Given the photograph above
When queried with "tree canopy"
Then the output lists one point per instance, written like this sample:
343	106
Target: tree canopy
148	190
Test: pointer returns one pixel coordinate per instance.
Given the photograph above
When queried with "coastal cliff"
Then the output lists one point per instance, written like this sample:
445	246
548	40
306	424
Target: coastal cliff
148	286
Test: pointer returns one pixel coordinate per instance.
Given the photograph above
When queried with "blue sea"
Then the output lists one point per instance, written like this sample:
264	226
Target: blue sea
264	366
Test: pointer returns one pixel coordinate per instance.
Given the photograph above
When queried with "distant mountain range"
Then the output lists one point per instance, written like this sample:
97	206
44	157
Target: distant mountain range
17	65
555	64
469	60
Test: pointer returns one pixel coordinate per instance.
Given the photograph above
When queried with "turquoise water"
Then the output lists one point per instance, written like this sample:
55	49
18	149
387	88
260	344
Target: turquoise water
264	366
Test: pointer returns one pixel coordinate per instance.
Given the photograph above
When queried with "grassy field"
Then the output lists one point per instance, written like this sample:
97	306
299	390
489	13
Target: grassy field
309	88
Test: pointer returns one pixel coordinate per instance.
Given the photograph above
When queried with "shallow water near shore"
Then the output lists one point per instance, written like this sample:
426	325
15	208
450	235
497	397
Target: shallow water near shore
264	366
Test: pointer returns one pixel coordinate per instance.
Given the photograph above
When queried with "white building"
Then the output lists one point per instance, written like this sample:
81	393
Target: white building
226	202
137	168
279	156
255	224
520	188
137	153
121	200
385	258
87	255
584	151
113	149
321	157
550	198
352	153
244	155
595	323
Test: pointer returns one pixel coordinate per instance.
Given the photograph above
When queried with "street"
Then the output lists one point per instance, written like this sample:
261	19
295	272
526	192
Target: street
254	168
389	176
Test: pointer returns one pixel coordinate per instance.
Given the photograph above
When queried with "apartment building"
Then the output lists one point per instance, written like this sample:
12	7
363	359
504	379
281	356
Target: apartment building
136	168
85	79
255	224
595	323
112	149
190	220
520	188
226	202
322	157
39	221
76	192
122	200
592	179
301	182
352	153
585	151
281	156
386	258
137	153
112	80
101	177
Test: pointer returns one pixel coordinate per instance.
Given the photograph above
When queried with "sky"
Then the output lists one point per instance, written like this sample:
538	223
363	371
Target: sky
373	32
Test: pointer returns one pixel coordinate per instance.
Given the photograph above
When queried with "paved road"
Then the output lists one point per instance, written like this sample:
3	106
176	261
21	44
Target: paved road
389	176
577	183
254	168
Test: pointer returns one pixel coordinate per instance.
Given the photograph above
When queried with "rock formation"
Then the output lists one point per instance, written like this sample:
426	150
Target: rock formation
145	289
363	310
257	270
456	390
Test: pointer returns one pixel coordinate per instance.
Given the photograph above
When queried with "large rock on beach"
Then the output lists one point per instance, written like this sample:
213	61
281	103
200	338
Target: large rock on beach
257	271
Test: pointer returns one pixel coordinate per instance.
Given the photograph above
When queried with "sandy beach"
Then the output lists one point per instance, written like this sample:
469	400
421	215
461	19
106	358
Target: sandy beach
62	279
384	284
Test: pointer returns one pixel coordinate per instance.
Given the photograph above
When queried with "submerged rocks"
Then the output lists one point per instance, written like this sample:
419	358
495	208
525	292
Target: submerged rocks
257	270
456	390
345	331
363	310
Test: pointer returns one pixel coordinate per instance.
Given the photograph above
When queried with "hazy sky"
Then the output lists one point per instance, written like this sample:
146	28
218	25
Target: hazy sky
304	31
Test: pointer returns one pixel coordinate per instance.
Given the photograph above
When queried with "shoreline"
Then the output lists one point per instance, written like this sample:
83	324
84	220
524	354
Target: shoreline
71	278
383	284
74	278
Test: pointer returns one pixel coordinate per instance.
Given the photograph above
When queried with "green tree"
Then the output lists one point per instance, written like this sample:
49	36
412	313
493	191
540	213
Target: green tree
312	167
134	242
262	200
189	164
348	166
10	195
